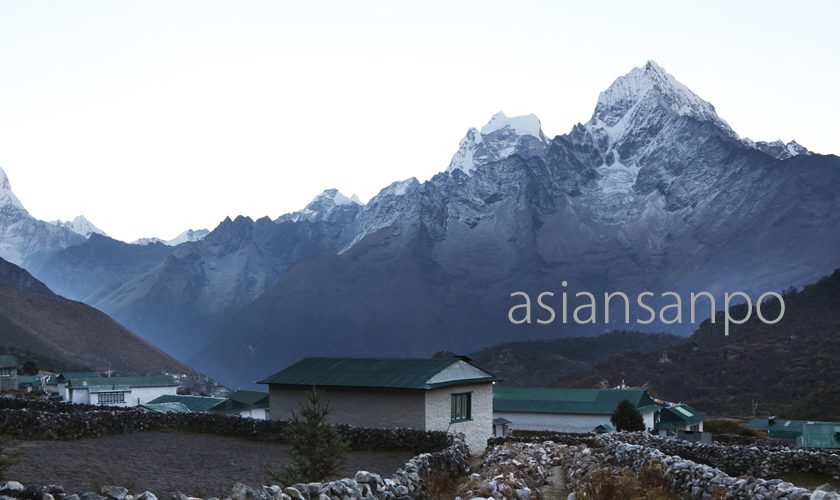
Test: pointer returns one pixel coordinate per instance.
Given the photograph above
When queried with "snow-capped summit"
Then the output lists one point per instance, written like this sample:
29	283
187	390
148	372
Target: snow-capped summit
521	125
648	90
188	235
324	206
778	149
9	203
502	137
79	225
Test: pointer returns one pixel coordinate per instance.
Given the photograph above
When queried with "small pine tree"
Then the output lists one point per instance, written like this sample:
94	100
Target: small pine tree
318	449
626	417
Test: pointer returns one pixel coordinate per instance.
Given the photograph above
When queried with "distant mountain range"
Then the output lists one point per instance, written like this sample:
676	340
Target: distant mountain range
39	325
654	192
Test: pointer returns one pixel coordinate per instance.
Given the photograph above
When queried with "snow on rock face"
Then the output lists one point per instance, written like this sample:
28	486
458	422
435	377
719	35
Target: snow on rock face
501	138
778	149
521	125
79	225
8	201
188	235
323	207
651	82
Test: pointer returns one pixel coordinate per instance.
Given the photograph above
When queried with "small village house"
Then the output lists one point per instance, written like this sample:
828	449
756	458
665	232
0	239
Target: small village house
567	410
435	394
679	418
57	384
169	403
119	391
801	433
246	404
8	373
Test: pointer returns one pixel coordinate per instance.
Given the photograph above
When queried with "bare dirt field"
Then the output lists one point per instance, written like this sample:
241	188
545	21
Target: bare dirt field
161	462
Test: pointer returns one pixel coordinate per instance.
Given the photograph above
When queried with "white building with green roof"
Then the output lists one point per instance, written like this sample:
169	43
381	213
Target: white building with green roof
432	394
567	410
120	391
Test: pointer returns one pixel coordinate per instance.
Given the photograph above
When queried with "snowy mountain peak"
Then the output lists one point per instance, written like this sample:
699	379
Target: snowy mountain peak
778	149
647	89
9	203
188	235
521	125
502	137
324	206
79	225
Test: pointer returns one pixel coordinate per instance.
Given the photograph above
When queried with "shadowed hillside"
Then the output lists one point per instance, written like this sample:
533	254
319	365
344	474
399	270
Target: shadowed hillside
69	333
551	362
788	369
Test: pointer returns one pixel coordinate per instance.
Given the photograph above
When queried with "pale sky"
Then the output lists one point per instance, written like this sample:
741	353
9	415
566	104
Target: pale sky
157	116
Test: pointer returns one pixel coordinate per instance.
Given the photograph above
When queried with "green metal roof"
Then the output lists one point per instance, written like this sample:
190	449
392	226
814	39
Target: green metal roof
257	399
8	361
28	380
140	381
603	428
166	407
558	400
820	435
679	414
194	404
780	428
65	376
501	421
409	373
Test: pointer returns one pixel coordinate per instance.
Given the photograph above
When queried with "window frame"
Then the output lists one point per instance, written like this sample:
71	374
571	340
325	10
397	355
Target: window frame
110	395
466	397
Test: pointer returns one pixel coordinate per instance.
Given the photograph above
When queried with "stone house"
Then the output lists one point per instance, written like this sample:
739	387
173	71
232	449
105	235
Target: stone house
434	394
8	373
119	391
567	410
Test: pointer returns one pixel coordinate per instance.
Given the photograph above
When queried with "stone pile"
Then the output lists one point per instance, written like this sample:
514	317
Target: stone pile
513	471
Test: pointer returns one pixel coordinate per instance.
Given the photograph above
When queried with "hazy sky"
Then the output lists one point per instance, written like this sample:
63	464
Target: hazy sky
152	117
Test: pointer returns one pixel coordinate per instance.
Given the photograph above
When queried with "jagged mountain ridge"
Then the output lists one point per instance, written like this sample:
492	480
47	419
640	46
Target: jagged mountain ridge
667	201
655	191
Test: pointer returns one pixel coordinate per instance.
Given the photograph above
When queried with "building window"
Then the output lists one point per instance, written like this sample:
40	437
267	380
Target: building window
111	398
461	406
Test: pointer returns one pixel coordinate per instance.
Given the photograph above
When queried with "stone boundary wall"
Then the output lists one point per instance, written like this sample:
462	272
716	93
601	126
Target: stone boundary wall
27	423
697	480
740	460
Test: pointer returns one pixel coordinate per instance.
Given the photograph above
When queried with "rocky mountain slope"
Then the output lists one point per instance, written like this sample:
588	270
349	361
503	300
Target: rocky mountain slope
70	334
655	192
788	369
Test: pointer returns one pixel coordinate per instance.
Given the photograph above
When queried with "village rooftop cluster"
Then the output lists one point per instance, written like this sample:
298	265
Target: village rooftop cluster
448	394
